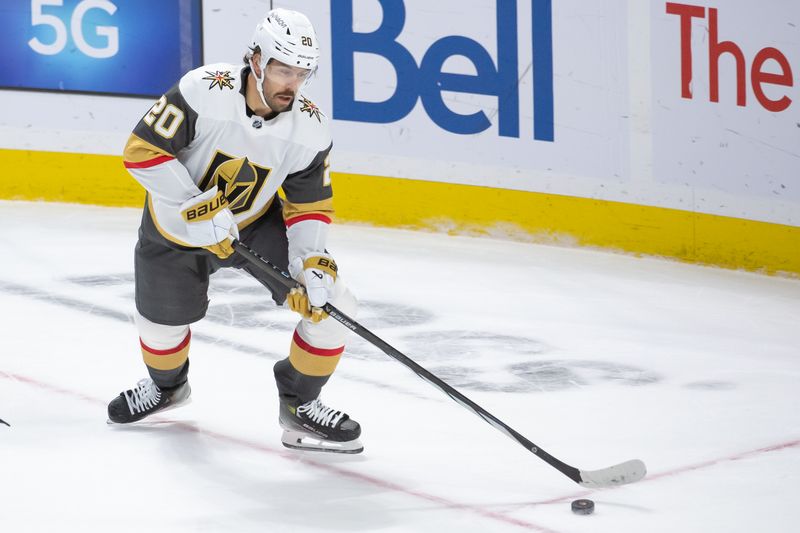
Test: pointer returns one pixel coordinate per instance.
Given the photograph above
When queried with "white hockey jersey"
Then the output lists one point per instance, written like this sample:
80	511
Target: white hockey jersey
201	133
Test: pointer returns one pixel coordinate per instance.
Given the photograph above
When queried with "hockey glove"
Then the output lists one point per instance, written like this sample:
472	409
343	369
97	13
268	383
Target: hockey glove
210	223
317	272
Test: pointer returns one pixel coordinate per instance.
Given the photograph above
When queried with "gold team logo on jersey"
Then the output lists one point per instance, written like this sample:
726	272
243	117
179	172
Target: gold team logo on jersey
237	178
310	107
219	79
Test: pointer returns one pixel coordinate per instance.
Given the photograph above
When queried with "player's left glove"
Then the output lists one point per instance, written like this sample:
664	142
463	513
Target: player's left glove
317	272
210	224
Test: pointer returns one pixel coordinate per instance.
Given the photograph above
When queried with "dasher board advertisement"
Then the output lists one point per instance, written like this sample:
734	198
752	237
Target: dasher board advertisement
122	47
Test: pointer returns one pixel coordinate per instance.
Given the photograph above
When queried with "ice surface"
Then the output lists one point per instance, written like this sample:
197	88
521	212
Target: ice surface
598	358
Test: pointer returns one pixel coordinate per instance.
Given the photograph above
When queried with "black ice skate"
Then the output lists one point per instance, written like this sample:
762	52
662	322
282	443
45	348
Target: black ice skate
316	427
144	400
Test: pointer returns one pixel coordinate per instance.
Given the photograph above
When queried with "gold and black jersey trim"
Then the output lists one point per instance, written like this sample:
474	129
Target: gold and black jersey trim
321	210
151	210
139	153
310	184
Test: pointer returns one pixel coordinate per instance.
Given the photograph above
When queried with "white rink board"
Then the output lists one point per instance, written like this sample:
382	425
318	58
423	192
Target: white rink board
621	129
747	153
589	104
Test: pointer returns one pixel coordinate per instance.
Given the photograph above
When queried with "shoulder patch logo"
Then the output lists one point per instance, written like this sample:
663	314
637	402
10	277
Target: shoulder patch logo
310	108
219	79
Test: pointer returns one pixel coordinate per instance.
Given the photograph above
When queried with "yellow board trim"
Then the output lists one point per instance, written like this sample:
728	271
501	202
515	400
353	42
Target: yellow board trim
462	209
65	177
549	218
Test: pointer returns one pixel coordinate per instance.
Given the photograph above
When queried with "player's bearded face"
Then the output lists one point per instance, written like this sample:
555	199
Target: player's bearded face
281	84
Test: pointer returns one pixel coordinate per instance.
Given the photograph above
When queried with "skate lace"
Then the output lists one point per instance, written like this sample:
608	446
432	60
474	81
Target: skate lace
320	413
145	396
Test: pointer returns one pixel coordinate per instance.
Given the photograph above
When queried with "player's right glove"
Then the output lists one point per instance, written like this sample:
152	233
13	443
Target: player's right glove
210	223
317	272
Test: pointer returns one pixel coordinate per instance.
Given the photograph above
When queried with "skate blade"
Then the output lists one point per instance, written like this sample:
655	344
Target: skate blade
297	440
181	403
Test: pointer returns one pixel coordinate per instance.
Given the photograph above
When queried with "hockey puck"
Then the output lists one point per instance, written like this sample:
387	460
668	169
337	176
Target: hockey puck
583	507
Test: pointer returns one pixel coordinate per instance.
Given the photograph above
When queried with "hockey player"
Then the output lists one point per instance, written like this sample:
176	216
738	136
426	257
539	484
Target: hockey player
212	153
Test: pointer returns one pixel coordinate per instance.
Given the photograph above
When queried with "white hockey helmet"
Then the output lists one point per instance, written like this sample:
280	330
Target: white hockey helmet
288	37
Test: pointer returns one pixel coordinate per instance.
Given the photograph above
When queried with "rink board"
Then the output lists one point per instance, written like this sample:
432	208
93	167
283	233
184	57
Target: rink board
456	208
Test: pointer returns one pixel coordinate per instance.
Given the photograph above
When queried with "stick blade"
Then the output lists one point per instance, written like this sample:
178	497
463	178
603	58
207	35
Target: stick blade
621	474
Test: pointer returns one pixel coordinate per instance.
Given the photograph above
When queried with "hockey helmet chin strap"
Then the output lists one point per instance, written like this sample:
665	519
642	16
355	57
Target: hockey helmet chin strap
260	81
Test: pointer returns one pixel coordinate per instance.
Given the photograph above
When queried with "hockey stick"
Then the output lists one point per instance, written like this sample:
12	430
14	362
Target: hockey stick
620	474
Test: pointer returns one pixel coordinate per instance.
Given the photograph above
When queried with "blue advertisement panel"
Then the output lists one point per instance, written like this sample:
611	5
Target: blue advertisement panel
124	47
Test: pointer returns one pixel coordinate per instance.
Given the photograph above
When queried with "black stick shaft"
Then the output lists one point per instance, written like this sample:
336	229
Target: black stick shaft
283	278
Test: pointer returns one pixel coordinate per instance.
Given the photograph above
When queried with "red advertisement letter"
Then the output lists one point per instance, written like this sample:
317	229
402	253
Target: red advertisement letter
716	49
758	77
686	12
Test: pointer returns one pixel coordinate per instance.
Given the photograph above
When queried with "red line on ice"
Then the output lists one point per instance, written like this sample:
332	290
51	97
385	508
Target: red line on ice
382	483
684	469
